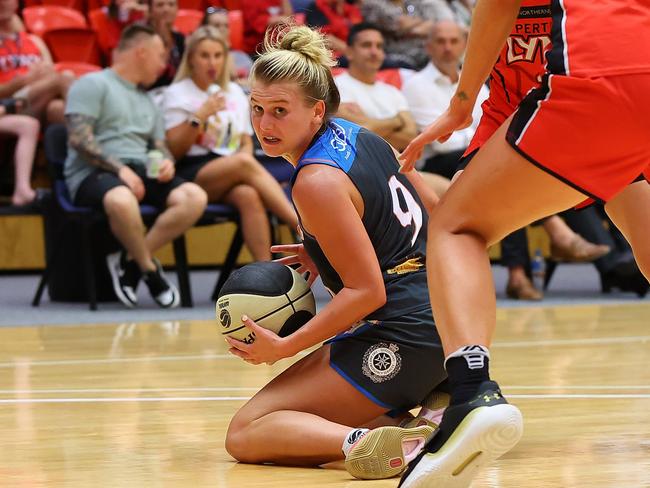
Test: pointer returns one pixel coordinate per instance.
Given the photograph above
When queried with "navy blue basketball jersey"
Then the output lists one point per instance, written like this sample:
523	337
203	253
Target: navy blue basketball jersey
394	216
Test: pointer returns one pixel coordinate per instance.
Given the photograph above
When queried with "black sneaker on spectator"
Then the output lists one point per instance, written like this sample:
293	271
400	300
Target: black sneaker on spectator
125	275
162	290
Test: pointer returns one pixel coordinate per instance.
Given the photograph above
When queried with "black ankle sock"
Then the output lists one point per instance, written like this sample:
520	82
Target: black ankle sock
464	379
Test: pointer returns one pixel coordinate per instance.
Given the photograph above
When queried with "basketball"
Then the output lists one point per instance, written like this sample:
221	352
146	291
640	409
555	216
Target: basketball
271	294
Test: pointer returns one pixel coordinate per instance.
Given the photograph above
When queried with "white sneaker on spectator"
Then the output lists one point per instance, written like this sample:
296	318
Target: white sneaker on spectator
125	275
161	289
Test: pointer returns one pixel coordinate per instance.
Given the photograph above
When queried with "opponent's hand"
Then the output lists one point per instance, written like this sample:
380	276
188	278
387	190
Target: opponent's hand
457	116
299	256
133	181
267	348
167	171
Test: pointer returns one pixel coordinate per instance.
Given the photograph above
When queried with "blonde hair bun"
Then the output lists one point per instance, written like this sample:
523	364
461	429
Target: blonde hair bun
296	53
302	40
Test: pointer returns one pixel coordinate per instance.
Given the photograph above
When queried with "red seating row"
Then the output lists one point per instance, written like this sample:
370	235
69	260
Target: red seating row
70	37
88	5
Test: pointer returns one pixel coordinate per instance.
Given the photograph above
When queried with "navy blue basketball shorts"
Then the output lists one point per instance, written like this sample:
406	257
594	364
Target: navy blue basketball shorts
395	362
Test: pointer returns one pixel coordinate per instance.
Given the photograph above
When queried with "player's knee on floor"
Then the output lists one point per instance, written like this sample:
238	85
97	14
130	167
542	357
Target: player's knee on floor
238	445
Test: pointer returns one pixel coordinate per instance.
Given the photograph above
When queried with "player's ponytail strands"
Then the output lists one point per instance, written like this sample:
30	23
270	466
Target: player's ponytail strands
299	54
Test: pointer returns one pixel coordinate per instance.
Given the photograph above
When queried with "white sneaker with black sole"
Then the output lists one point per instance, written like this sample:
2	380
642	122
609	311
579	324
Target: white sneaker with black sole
161	289
125	275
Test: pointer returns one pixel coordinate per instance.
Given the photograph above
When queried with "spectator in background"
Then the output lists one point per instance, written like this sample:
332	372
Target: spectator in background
26	130
112	123
26	69
260	15
428	93
366	101
162	14
119	14
462	11
405	28
334	18
241	62
207	118
617	269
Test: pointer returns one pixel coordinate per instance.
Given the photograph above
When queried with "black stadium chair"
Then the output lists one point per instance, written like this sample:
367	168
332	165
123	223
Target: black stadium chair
55	143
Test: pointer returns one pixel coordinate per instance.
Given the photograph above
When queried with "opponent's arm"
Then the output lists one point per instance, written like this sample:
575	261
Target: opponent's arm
492	22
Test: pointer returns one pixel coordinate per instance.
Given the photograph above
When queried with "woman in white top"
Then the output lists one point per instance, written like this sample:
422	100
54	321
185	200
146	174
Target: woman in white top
207	119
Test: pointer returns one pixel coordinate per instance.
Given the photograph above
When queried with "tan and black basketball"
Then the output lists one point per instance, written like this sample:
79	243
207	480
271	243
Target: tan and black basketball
272	294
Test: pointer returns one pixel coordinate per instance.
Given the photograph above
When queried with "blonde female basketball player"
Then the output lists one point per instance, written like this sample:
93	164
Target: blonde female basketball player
364	231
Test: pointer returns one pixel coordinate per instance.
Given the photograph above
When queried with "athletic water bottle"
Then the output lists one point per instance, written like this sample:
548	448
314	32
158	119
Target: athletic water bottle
538	269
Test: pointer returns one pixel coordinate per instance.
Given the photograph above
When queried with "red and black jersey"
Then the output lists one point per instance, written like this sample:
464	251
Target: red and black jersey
17	54
519	68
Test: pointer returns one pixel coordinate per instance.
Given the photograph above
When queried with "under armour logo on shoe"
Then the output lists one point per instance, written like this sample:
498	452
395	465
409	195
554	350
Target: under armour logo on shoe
487	398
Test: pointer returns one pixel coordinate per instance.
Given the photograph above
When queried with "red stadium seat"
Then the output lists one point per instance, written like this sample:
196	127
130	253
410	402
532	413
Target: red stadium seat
79	69
187	21
236	23
95	4
191	5
391	76
73	4
232	4
105	30
73	45
39	20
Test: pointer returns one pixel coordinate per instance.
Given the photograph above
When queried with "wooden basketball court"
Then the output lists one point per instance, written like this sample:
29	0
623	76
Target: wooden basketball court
147	405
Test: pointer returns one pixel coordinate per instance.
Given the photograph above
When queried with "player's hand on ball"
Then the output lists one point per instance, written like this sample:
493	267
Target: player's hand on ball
300	257
268	347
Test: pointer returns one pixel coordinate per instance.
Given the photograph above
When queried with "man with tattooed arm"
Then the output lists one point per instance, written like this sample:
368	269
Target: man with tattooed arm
114	132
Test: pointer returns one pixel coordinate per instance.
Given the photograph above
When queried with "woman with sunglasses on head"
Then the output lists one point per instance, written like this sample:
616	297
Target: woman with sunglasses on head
207	119
363	231
218	18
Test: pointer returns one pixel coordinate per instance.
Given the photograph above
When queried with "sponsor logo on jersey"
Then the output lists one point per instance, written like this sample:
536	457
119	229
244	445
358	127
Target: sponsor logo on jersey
527	50
408	266
381	362
339	141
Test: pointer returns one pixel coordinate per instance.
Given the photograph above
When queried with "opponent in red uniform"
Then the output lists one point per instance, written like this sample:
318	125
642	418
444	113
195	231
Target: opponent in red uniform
586	132
518	69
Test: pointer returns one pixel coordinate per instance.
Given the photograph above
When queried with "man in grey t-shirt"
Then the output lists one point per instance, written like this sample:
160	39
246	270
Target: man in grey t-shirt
112	125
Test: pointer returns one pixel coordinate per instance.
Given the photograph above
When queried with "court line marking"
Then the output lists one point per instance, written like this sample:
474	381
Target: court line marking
22	401
513	344
126	390
572	342
256	389
63	362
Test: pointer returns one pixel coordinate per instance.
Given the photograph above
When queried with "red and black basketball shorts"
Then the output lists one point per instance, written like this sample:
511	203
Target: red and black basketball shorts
591	133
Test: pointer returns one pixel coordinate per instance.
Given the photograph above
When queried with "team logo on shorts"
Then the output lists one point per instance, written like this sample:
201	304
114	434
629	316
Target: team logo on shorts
381	362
